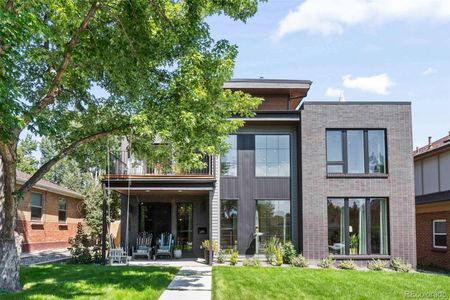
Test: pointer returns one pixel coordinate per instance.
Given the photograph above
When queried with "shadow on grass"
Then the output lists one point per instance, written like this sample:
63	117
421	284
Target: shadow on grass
67	281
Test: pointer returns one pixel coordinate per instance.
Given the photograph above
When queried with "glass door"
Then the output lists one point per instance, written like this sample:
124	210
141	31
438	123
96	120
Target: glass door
185	226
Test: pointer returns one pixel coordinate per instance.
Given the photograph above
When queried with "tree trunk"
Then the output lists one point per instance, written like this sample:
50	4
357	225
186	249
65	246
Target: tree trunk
10	241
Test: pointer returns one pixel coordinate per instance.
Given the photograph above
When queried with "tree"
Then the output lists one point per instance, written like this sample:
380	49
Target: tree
160	74
26	162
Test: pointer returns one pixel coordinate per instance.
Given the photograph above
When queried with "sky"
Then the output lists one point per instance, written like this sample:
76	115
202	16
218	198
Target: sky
357	50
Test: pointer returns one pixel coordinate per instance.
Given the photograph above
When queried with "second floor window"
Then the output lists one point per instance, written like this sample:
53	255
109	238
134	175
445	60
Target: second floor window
62	210
272	155
36	206
228	161
356	151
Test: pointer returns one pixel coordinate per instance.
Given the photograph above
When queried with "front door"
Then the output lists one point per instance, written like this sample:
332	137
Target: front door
155	218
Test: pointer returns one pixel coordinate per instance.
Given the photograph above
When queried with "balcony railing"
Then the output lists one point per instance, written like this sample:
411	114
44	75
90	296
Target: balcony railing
120	163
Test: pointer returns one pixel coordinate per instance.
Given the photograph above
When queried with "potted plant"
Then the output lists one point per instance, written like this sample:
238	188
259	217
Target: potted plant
354	244
178	252
206	248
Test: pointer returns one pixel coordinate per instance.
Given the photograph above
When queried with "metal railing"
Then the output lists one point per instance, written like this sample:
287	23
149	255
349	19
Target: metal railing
121	163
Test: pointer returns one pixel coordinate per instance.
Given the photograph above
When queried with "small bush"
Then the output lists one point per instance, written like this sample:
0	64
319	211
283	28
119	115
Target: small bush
252	262
347	265
80	247
221	257
376	265
326	262
272	244
234	258
278	256
400	266
289	252
299	262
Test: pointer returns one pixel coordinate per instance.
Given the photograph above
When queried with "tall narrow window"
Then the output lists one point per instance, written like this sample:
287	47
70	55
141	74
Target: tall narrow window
185	226
272	155
355	151
376	153
228	224
335	156
62	210
358	226
228	161
440	234
273	218
36	206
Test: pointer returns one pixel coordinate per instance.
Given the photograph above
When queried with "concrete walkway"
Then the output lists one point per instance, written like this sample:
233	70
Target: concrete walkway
45	256
190	283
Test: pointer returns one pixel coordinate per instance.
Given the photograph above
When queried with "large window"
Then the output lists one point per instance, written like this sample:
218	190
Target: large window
185	226
273	218
358	226
440	234
36	206
228	161
228	224
356	151
272	155
62	210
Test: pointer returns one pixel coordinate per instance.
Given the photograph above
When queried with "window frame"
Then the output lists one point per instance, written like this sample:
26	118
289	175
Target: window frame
237	159
276	200
237	222
40	207
368	226
344	162
290	155
440	234
60	210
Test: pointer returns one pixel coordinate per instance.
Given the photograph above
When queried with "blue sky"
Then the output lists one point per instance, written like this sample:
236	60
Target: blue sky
378	52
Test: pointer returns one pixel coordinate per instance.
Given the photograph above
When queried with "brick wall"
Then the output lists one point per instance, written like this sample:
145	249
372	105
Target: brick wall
398	186
426	254
49	233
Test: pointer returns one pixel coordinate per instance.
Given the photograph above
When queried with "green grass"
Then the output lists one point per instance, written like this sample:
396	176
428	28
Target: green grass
294	283
65	281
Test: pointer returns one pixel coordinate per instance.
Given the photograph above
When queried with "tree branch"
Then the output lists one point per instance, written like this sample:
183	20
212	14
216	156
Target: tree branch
62	154
53	90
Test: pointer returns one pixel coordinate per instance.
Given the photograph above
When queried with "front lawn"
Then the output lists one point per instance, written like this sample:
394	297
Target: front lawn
295	283
65	281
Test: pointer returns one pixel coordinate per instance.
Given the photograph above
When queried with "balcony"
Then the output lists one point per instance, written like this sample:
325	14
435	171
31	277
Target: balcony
122	166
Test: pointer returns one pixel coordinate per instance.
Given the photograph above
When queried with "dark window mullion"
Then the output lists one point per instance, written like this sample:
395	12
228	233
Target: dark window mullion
366	152
344	150
346	223
368	227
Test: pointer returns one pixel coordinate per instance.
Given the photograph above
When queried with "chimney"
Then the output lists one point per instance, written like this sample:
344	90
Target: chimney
429	142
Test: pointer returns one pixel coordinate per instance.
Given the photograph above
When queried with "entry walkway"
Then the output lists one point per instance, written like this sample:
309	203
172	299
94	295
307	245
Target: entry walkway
191	282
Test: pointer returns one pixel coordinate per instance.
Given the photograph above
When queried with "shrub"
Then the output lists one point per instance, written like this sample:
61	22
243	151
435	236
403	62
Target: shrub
299	261
347	265
400	266
278	256
271	246
326	262
79	247
205	245
289	252
376	265
221	257
234	258
252	262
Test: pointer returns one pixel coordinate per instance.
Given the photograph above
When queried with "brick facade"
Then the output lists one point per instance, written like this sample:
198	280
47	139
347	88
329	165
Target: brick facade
48	233
397	186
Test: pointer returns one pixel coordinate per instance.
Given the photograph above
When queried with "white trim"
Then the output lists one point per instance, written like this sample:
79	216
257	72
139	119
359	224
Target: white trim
264	85
441	234
162	189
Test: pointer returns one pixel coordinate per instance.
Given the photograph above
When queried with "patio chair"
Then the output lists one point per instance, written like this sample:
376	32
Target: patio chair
143	245
165	245
117	256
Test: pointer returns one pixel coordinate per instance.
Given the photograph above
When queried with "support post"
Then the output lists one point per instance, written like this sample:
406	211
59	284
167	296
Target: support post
211	251
104	227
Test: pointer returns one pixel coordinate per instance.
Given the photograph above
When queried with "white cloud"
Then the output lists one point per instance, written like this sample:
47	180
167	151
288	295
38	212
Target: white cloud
333	16
335	93
378	84
429	71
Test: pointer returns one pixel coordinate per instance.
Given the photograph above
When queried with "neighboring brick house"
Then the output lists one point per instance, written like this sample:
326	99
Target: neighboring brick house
48	215
432	181
332	177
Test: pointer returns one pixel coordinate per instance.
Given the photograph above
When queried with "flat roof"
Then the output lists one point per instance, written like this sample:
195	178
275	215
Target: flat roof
263	83
309	102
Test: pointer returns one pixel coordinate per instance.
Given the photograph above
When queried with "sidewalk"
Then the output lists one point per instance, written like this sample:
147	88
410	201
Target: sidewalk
45	256
190	283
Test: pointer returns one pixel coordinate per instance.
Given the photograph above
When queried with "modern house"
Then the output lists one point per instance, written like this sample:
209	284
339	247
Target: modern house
48	215
332	177
432	181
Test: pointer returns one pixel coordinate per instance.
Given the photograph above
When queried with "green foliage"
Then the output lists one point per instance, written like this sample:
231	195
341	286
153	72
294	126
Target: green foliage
251	262
354	243
347	265
234	257
26	161
272	244
376	265
326	262
221	257
278	256
289	252
215	247
400	265
80	247
299	261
